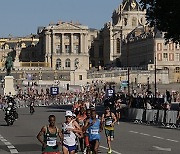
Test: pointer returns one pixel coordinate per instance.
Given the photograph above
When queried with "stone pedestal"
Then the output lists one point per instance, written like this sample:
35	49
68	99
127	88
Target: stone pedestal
9	85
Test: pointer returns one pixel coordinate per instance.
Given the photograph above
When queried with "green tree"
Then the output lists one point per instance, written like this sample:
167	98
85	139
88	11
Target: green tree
165	16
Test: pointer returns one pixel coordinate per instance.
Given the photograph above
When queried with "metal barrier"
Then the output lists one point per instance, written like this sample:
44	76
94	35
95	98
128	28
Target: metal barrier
151	116
135	114
166	118
171	118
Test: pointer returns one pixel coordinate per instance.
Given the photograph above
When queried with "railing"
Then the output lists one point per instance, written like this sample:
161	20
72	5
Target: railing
34	64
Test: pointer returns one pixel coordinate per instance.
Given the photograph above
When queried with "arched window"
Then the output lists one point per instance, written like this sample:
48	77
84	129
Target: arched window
134	21
58	63
68	63
76	63
177	70
125	21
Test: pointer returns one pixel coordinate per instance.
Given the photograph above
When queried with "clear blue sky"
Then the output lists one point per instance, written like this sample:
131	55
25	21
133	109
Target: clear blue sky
22	17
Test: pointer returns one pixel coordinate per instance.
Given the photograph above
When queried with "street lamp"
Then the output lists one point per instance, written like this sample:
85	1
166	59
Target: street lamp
128	64
155	73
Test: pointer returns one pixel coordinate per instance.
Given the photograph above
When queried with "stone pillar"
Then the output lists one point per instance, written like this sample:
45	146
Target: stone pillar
47	47
9	85
53	43
72	45
81	43
85	43
62	43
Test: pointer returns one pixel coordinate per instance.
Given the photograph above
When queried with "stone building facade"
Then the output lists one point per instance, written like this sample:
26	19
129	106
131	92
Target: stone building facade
66	45
143	48
125	18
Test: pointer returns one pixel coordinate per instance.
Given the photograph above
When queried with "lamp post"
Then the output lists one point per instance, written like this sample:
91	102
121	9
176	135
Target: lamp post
128	74
155	86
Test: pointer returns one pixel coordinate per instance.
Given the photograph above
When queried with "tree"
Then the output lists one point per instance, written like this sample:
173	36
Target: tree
165	16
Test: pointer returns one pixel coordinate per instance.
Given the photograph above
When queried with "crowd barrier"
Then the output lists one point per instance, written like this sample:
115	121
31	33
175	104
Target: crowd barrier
167	118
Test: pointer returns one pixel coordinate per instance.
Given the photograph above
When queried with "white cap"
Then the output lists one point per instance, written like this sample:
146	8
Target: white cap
68	113
74	115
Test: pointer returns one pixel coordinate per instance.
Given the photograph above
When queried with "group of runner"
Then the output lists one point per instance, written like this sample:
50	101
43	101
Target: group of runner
80	131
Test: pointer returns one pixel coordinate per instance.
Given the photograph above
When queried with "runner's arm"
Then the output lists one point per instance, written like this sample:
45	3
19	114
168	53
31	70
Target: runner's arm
43	130
77	128
114	119
86	126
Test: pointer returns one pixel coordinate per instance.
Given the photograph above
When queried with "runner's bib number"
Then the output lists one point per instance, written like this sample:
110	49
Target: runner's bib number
108	122
94	131
51	143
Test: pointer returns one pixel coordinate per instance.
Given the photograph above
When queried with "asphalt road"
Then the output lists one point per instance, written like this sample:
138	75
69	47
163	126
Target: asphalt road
129	138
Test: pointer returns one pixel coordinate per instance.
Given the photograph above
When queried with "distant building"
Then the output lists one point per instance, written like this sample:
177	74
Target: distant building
144	46
125	18
66	45
22	49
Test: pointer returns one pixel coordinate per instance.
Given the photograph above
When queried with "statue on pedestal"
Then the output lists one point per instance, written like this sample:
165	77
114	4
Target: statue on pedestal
8	64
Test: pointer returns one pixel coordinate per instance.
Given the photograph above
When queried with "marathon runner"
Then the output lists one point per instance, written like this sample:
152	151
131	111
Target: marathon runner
50	135
117	107
86	133
94	127
109	119
80	119
69	129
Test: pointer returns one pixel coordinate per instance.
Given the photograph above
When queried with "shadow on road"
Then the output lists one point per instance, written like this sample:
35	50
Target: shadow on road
28	147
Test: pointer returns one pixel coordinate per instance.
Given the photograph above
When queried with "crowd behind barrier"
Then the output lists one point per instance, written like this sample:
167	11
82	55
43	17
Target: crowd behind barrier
138	107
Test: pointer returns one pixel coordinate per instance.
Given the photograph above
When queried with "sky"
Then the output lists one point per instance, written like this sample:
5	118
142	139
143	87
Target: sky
23	17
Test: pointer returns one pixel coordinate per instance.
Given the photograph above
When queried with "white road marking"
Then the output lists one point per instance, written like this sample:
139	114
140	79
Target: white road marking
172	140
3	140
107	149
144	134
13	151
158	137
133	132
153	136
9	145
162	149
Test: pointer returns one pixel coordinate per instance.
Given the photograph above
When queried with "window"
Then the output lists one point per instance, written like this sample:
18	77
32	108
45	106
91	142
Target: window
171	46
165	56
134	21
58	63
80	77
171	56
76	37
57	37
177	70
125	21
76	63
76	48
67	48
177	57
159	56
165	46
165	68
67	37
177	46
58	49
159	46
68	63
